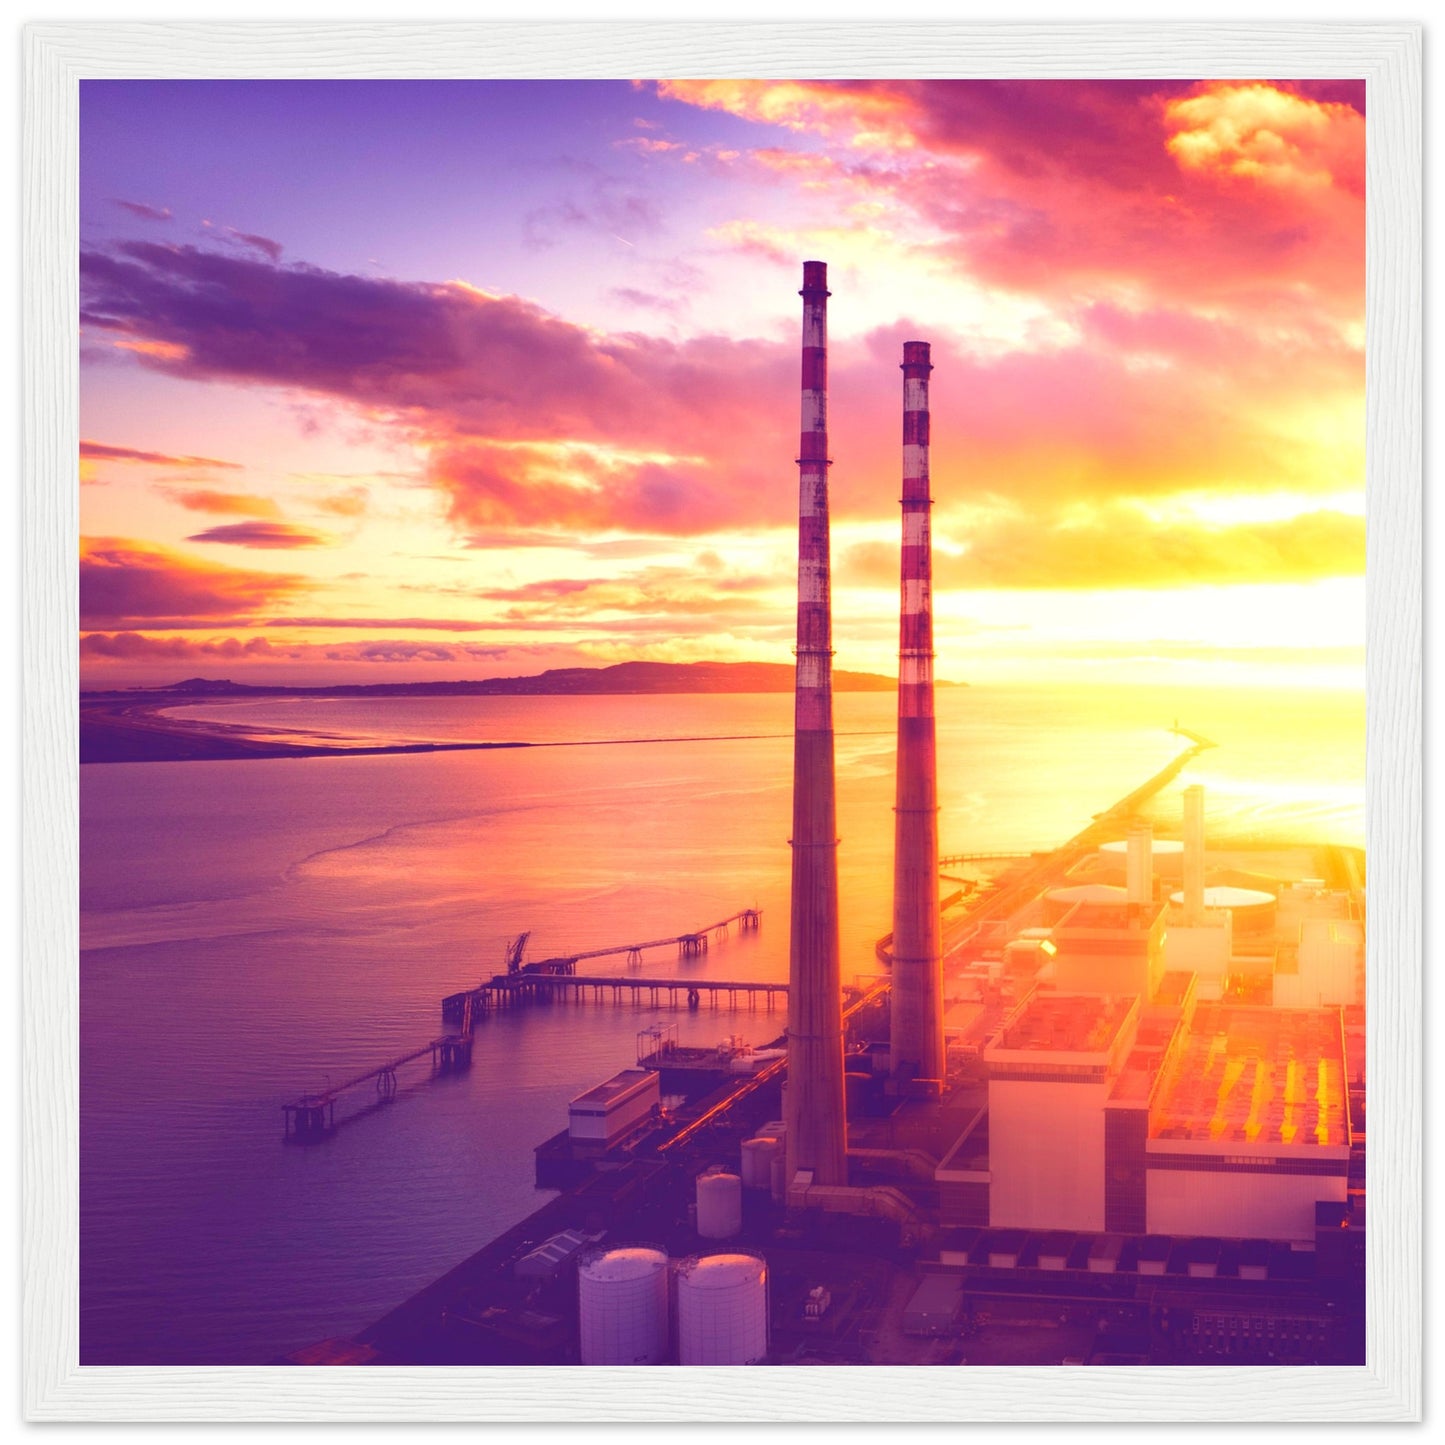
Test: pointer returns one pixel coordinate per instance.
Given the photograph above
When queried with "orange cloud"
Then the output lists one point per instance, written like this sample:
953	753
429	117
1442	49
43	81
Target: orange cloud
1089	190
224	503
1119	547
1269	135
661	591
126	583
862	117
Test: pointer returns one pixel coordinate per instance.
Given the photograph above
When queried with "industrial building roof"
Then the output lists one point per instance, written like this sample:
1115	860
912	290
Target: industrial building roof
619	1085
1090	916
1256	1076
1069	1023
1173	990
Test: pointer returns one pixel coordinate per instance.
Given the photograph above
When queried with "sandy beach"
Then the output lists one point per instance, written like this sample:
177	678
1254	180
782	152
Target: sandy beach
126	731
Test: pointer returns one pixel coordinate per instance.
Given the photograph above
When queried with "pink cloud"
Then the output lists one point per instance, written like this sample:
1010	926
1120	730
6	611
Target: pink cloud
1210	193
531	424
145	212
99	452
133	646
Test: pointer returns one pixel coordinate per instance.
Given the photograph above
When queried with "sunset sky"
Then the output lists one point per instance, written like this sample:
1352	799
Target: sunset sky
387	381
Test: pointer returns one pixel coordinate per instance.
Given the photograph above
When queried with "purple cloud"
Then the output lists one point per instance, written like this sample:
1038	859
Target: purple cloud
261	534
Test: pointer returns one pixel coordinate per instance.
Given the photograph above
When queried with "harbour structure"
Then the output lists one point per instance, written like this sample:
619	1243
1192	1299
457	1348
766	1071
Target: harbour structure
916	1033
814	1109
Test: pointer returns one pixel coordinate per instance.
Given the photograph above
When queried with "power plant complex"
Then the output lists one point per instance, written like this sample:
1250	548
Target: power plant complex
1100	1105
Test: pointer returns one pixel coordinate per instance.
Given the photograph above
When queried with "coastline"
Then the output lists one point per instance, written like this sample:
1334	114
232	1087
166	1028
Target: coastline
132	732
138	732
129	727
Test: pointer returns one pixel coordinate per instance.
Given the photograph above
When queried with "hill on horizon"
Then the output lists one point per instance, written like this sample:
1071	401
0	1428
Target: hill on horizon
622	677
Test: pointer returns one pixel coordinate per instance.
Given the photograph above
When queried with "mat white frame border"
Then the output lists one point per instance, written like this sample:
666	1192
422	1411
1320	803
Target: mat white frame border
58	56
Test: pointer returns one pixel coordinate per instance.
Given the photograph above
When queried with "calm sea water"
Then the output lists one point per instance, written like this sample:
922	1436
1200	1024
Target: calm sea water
251	931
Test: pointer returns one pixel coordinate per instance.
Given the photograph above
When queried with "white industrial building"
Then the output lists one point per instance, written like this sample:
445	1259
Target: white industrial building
1050	1068
613	1108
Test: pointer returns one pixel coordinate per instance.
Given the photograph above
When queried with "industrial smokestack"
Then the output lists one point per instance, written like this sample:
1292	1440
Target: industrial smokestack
916	1042
1139	875
1193	855
815	1111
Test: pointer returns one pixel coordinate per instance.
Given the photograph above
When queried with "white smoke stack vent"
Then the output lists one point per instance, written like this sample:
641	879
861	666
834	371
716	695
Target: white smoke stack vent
1139	879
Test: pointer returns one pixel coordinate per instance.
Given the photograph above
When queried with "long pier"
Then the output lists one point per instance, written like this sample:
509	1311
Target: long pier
520	990
550	978
1033	878
689	945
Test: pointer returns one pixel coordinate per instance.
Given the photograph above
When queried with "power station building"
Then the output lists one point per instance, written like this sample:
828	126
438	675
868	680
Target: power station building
1106	1115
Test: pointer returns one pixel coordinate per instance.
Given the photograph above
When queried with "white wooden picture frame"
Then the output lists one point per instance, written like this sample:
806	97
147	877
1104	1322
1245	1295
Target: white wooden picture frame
1388	56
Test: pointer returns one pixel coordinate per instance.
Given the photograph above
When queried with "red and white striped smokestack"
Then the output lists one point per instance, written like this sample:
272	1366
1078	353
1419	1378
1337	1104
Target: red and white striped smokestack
916	1043
815	1111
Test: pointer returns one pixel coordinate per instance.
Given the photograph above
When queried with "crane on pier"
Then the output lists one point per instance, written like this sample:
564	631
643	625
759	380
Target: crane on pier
514	952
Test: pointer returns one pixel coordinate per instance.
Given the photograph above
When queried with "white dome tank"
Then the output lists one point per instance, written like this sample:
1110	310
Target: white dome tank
1251	910
722	1310
757	1162
622	1305
719	1205
1058	901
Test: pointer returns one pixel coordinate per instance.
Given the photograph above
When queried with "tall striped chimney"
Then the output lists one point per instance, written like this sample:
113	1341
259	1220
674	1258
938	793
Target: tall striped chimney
815	1111
917	1005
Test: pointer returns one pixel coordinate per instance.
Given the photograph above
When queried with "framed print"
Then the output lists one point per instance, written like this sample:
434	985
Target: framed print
716	701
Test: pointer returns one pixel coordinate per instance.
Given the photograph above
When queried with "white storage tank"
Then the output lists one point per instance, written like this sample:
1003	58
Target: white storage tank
1058	901
1251	910
622	1306
719	1205
722	1310
757	1162
1167	855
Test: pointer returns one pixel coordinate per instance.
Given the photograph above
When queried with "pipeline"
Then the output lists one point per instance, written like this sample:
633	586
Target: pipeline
914	1162
880	1201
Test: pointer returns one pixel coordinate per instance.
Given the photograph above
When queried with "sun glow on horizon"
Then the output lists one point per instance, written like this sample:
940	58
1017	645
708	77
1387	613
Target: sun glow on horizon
312	455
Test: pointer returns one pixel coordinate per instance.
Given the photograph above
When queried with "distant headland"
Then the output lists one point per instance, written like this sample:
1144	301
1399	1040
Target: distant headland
622	677
128	726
